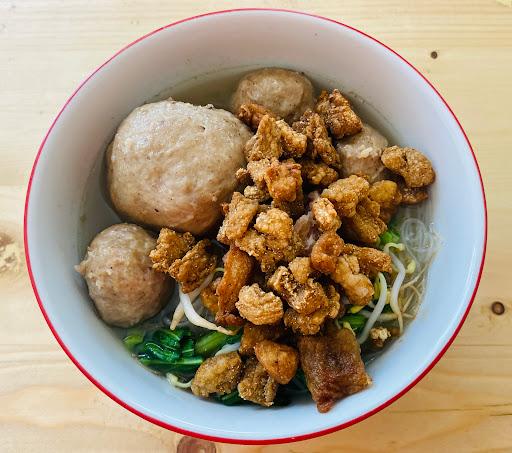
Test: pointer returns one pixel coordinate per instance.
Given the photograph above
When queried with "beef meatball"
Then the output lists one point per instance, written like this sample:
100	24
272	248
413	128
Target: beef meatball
286	93
360	154
119	274
172	164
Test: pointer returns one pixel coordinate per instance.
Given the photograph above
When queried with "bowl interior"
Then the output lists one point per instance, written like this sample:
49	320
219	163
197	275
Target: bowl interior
66	206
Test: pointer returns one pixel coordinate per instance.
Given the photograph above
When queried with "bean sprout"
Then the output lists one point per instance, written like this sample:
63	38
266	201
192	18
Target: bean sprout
393	301
376	311
227	348
175	382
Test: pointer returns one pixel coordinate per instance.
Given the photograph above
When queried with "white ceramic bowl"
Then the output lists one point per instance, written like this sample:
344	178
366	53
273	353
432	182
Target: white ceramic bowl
59	222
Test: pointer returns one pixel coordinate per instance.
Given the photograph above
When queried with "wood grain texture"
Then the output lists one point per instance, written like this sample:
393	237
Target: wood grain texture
47	47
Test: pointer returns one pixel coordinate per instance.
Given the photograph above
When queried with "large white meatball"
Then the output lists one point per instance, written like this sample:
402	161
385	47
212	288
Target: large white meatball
119	274
172	164
360	154
286	93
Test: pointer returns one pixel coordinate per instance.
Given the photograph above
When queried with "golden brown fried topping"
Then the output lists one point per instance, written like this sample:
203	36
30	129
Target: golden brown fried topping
301	269
318	173
357	286
379	335
209	298
253	334
304	298
256	384
325	215
293	208
326	251
238	267
366	226
239	216
293	142
310	324
280	361
346	193
337	114
251	114
413	195
333	367
257	170
259	307
219	374
275	223
409	163
191	270
256	193
371	261
387	194
170	246
284	180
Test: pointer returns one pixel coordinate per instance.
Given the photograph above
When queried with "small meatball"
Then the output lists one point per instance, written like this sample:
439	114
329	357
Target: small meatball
318	173
191	270
257	194
360	154
301	269
240	213
284	180
119	275
409	163
275	223
219	374
252	335
170	246
366	225
256	385
280	361
345	194
371	261
251	114
333	367
285	93
238	267
266	143
319	143
388	195
259	307
412	195
209	298
337	114
379	335
304	298
326	251
325	215
311	324
172	164
357	286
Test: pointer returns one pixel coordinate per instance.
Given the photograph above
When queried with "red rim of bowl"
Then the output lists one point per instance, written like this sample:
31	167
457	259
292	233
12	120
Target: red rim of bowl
226	439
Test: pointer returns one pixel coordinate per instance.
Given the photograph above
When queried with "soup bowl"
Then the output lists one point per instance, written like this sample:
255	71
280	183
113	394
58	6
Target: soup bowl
66	207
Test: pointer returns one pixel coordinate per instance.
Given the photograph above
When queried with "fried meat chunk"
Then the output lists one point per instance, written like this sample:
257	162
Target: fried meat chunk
275	223
280	361
337	114
259	307
301	269
284	180
293	208
313	127
304	298
409	163
325	215
326	251
294	143
256	193
388	195
412	195
253	334
257	170
191	270
310	324
219	374
333	367
346	193
366	225
379	335
238	267
170	246
251	114
318	173
357	286
257	385
371	261
306	229
209	297
239	216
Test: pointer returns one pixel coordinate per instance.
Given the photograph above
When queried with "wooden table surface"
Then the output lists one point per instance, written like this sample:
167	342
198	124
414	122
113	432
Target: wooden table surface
48	47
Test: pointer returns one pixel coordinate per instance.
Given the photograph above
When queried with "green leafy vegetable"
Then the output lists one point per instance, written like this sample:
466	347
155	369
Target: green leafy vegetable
133	339
156	351
230	399
391	235
209	344
187	349
356	321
